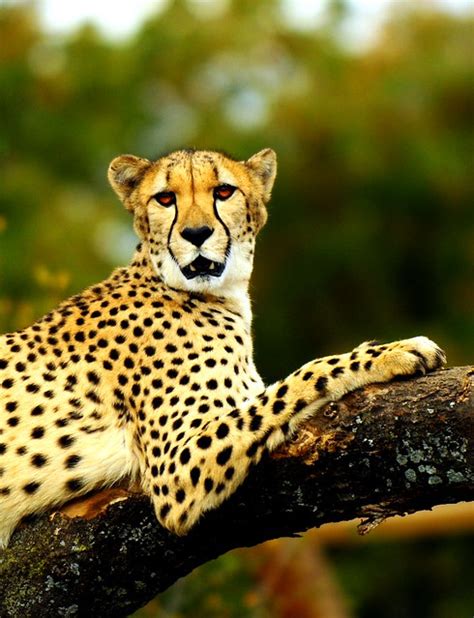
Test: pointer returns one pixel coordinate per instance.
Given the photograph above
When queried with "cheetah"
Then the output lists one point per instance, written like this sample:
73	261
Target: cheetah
149	375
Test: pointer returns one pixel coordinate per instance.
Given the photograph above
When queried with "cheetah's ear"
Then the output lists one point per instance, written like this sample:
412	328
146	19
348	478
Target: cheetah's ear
125	172
264	164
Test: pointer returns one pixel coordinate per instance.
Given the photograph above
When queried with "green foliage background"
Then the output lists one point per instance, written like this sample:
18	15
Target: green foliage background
371	229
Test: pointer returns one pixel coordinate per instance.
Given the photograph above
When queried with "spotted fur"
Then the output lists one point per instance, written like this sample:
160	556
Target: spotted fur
149	375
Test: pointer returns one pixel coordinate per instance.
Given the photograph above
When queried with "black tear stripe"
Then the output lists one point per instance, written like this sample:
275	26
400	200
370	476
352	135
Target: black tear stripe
171	231
172	164
226	229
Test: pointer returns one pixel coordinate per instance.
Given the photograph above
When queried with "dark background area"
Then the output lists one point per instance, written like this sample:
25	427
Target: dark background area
371	227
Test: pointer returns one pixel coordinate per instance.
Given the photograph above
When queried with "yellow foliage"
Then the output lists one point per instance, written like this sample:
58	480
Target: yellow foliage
45	278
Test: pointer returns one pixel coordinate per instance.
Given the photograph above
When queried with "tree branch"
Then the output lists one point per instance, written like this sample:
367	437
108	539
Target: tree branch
383	450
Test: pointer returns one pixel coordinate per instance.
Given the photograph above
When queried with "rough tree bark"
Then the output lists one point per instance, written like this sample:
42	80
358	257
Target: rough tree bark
383	450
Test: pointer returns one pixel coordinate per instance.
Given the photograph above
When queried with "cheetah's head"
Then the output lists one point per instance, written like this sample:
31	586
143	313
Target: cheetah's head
199	213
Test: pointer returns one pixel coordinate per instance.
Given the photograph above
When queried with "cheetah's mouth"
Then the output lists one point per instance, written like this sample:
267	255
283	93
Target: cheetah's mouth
202	267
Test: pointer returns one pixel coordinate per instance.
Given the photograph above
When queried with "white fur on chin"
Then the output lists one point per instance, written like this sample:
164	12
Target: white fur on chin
232	284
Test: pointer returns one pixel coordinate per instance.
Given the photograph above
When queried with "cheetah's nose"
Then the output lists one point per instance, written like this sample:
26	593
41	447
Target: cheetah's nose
196	235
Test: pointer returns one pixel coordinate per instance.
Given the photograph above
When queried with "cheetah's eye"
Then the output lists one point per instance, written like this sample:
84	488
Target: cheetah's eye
223	192
165	198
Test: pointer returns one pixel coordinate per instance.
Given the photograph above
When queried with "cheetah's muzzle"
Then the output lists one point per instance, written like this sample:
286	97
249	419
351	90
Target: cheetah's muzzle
201	266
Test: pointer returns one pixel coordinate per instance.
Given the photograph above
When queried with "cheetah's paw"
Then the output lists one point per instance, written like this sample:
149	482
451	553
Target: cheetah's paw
415	356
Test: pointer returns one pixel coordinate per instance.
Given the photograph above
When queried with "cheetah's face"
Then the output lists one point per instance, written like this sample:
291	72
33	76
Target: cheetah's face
199	213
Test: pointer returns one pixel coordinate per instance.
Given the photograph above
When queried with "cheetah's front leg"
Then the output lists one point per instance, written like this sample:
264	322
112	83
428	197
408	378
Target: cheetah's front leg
214	458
